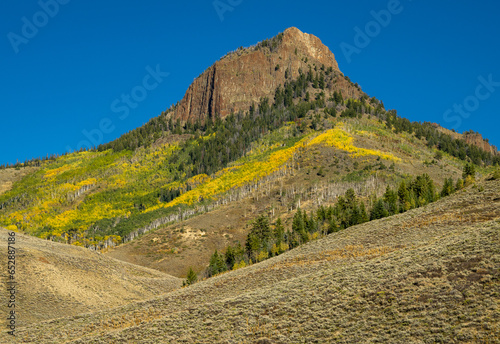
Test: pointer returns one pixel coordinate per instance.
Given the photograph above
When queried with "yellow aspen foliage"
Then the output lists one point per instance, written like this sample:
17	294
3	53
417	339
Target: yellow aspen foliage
262	256
12	228
50	174
340	139
90	181
274	249
239	265
283	247
469	180
16	217
407	206
235	176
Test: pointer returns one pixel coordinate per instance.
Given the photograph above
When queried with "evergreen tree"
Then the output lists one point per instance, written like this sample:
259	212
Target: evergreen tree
298	222
469	170
252	245
363	214
332	226
230	257
403	197
261	228
217	264
259	237
447	187
279	232
355	216
378	210
192	277
322	81
390	200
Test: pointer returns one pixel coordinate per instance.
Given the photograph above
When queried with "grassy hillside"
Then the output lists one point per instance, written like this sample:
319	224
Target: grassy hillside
428	275
10	176
102	199
358	153
55	280
79	190
105	197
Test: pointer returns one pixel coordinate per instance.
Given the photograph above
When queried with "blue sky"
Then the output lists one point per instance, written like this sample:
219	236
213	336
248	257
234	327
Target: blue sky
66	64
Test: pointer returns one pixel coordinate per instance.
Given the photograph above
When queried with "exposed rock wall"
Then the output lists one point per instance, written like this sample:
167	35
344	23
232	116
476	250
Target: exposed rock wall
469	137
243	77
478	140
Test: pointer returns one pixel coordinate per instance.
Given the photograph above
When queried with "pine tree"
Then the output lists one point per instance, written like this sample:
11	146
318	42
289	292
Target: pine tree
316	81
279	232
192	277
322	81
332	226
447	187
390	200
378	210
217	264
355	216
469	170
252	245
298	222
363	214
261	228
230	257
403	197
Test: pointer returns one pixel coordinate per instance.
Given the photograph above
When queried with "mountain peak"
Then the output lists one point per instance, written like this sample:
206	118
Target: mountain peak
311	46
245	76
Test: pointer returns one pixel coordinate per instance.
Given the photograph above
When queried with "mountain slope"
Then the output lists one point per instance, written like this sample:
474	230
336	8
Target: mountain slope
55	280
428	275
243	77
364	165
170	170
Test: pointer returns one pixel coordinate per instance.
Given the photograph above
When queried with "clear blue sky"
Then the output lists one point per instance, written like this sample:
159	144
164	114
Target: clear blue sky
61	72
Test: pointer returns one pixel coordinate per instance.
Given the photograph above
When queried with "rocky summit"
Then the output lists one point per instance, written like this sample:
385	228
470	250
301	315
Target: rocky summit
243	77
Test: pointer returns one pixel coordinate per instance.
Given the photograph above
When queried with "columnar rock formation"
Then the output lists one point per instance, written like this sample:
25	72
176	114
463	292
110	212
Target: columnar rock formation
245	76
470	137
478	140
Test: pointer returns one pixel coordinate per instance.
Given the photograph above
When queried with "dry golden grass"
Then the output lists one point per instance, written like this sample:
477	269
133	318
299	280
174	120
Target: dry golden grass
56	280
419	277
9	176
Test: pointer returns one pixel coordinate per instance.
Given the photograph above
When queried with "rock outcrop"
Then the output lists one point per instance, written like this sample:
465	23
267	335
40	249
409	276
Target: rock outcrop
245	76
478	140
470	137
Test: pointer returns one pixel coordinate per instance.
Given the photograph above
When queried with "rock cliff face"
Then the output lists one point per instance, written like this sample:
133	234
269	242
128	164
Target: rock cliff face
477	140
470	137
243	77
